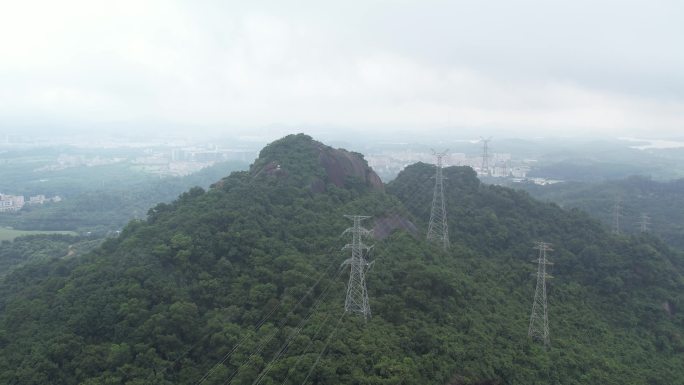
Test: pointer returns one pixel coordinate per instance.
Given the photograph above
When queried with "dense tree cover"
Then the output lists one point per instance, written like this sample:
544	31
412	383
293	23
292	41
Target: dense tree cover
102	210
663	202
172	296
296	155
38	248
28	171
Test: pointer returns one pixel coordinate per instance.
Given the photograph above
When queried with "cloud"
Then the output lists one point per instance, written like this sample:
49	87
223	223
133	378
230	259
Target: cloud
524	67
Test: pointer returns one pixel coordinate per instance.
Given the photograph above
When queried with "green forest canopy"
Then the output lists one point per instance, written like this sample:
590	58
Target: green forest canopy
170	297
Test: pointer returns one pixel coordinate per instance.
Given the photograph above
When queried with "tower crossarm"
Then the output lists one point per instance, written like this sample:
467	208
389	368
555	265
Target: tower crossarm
362	231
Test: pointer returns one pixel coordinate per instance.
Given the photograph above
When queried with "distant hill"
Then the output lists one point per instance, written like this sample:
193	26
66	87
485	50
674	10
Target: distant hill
584	170
101	211
662	202
242	284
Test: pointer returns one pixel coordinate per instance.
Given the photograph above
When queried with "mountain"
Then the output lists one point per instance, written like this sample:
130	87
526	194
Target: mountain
662	202
242	284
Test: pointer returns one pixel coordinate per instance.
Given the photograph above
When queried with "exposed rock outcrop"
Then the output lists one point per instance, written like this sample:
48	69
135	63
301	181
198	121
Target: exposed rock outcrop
340	164
386	225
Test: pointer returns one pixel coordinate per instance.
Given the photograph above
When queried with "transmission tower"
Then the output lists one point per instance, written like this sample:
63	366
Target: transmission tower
485	156
539	320
616	216
357	294
644	222
438	229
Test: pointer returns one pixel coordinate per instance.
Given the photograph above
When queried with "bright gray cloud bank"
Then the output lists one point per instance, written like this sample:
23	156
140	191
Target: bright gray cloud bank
519	67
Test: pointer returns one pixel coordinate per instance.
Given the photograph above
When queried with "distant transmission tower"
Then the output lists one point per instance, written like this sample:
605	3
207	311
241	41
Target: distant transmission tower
438	229
539	320
485	155
644	223
616	216
357	294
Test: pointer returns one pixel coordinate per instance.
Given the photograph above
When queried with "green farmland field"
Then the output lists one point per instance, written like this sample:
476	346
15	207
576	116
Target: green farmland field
8	234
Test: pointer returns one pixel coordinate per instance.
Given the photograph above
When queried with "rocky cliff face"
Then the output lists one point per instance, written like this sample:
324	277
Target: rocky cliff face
384	226
302	160
340	164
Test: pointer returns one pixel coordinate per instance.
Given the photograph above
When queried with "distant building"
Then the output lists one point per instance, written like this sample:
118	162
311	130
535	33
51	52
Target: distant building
207	156
11	202
40	199
178	155
519	172
543	181
37	200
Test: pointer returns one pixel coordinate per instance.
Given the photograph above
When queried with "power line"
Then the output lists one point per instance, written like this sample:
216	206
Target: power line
287	343
357	294
261	323
438	229
263	344
306	349
327	342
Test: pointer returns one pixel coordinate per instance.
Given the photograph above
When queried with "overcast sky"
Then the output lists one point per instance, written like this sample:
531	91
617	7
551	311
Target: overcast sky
504	67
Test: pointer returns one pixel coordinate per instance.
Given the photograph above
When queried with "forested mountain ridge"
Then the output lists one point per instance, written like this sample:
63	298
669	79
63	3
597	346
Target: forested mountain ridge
662	203
172	296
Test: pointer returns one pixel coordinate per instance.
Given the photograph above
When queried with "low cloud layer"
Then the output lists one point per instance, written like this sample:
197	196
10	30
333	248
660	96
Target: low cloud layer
514	67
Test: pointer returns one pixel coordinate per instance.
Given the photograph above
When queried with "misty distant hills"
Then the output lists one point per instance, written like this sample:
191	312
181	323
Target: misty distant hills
659	204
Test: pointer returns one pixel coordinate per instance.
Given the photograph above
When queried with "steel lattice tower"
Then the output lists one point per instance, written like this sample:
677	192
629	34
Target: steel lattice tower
357	294
539	320
644	222
616	216
485	155
438	229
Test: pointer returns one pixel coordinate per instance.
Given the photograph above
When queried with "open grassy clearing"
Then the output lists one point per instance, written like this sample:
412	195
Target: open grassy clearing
8	234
